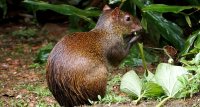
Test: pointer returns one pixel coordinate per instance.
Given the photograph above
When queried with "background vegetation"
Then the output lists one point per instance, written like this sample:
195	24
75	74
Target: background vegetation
171	39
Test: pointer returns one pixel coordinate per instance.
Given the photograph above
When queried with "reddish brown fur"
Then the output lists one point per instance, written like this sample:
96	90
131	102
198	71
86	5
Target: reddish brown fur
78	64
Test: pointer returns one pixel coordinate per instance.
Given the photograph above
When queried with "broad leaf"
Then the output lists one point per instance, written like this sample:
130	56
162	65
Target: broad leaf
167	8
152	89
168	30
149	76
167	77
131	84
63	9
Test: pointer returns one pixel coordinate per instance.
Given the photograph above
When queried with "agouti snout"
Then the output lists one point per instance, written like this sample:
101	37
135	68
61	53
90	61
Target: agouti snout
78	64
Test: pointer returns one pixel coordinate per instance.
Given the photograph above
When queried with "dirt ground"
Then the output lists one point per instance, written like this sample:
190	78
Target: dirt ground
22	82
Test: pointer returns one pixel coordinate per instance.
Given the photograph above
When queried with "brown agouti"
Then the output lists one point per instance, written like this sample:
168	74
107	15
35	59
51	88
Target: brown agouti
78	65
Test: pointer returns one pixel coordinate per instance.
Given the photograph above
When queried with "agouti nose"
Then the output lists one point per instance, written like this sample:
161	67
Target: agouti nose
136	27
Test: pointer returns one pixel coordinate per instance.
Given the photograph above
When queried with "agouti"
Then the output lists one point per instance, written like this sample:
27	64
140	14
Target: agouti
78	65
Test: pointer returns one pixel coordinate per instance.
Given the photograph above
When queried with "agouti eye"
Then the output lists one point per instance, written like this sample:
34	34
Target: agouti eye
127	18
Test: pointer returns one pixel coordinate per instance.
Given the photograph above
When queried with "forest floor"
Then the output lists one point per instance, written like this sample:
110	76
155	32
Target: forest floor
23	82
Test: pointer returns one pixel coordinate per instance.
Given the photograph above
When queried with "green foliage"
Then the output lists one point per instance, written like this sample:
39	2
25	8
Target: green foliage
133	58
38	90
192	44
167	8
166	81
62	9
19	103
156	25
110	96
3	6
134	86
167	29
190	58
44	104
193	2
44	53
174	81
167	76
25	33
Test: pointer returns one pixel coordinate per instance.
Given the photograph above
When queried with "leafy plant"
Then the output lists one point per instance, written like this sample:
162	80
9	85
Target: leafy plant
25	32
63	9
167	77
162	8
191	61
110	96
39	90
43	53
134	86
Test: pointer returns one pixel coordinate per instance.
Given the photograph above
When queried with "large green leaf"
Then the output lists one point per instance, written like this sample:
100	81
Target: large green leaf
167	29
167	76
131	84
152	89
63	9
134	86
167	8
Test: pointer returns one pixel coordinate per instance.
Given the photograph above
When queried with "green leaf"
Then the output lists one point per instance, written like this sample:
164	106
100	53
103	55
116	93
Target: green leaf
196	60
167	8
63	9
43	53
168	30
190	41
149	76
114	1
131	84
167	77
152	89
197	42
187	18
144	23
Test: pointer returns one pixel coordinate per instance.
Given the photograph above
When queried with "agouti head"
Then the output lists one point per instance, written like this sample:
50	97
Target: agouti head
118	22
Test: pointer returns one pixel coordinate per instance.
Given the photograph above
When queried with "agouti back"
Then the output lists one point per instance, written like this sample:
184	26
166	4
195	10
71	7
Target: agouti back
77	66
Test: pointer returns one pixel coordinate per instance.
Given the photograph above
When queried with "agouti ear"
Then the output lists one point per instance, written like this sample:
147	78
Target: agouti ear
115	13
106	8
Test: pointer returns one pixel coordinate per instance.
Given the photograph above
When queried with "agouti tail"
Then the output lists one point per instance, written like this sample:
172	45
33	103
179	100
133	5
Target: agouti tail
78	64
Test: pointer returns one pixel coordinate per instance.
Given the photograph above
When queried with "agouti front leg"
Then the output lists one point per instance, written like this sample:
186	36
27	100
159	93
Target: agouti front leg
117	53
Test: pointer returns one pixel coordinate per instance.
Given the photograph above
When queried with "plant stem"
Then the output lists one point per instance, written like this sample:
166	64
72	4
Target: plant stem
139	98
142	56
163	101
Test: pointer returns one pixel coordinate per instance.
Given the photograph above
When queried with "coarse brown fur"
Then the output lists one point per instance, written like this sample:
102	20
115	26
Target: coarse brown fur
78	64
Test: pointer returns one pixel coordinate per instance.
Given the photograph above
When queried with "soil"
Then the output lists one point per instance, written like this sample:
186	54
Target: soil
18	72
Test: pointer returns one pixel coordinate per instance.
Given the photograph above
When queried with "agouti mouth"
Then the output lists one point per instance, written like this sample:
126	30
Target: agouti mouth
127	38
